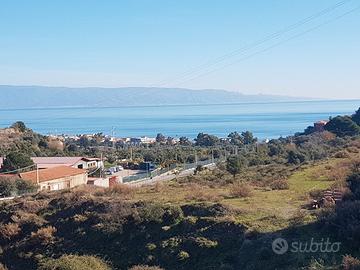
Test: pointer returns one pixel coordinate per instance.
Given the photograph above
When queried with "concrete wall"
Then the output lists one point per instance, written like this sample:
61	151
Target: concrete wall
65	182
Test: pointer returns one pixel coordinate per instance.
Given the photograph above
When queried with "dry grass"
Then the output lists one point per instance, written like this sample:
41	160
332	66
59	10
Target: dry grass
280	184
123	190
9	230
45	235
198	193
241	190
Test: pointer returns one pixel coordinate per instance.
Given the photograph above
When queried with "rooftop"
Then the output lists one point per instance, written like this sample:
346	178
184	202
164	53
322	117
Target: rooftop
51	174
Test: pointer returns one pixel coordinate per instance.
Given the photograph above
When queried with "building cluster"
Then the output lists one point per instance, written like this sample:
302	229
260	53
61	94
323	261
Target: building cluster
56	173
125	141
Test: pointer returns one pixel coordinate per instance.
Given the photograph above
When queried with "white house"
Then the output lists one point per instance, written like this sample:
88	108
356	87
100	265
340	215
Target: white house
75	162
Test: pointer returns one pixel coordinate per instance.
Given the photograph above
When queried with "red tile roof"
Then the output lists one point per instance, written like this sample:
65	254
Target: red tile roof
51	174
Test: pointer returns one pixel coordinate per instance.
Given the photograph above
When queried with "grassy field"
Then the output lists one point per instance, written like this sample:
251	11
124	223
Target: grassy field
265	210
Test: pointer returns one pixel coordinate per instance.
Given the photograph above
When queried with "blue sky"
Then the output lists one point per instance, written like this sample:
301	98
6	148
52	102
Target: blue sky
153	42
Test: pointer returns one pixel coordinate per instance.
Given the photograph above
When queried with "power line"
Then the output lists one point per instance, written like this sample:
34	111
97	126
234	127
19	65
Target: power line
272	46
274	35
27	167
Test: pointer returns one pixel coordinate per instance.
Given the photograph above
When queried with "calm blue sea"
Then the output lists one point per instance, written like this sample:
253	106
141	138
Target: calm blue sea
265	120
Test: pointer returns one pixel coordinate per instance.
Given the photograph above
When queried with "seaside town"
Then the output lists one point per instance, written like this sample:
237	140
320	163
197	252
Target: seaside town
180	135
62	172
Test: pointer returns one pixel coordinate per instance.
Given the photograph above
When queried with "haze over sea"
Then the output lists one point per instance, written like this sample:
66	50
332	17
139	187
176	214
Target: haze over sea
265	120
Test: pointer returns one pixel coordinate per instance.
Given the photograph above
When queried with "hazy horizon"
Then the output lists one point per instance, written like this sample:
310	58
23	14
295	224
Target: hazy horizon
305	48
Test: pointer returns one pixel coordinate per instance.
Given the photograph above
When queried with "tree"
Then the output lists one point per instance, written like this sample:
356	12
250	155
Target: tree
354	184
204	139
160	138
16	160
295	157
7	187
84	142
235	164
236	138
248	137
342	126
184	141
356	117
22	186
20	126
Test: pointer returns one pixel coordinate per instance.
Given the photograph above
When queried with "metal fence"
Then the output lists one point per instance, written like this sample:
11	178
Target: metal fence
181	167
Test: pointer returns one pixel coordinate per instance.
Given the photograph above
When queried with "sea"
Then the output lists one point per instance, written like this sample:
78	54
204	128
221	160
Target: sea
265	120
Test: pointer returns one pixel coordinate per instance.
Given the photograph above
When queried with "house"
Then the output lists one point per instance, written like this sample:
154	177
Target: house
75	162
319	126
56	178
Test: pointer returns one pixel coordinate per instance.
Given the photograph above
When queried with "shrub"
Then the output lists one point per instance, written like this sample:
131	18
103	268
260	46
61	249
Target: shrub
197	193
342	154
74	262
16	160
354	184
8	231
205	242
279	185
145	267
23	186
342	126
122	189
350	263
241	190
44	235
7	187
183	255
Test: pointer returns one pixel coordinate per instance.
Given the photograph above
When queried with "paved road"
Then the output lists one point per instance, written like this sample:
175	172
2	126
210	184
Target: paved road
167	176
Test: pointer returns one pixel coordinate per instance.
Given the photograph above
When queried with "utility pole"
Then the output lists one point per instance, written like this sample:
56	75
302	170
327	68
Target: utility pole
37	175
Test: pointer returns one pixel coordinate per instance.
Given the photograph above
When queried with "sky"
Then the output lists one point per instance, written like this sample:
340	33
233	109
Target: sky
252	47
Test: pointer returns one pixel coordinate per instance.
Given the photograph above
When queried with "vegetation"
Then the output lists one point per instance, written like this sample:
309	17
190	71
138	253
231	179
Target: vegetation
219	218
10	186
16	160
235	164
73	262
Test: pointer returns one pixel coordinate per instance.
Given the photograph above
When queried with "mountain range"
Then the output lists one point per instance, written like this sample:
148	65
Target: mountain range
45	97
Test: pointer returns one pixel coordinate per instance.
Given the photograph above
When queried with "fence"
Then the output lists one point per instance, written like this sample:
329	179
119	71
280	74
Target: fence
181	167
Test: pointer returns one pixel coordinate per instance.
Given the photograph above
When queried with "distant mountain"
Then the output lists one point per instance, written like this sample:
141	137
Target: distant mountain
44	97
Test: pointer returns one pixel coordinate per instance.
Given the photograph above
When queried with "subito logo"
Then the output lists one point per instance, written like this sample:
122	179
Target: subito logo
280	246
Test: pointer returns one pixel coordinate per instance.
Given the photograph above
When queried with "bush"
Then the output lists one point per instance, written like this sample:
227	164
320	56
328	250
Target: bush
241	190
8	231
122	189
44	235
145	267
74	262
350	263
279	185
23	186
7	187
16	160
183	255
342	126
342	154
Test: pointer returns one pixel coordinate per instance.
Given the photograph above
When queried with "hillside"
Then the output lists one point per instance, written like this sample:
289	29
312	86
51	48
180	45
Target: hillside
41	96
194	223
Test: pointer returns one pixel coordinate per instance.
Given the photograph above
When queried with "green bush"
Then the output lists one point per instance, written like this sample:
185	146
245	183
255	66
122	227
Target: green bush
74	262
7	187
23	186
